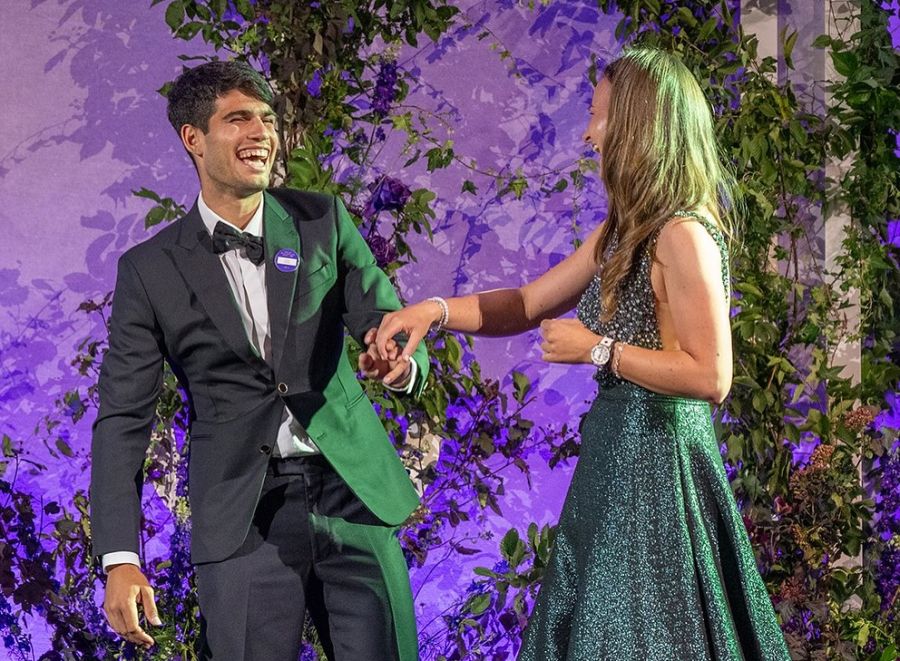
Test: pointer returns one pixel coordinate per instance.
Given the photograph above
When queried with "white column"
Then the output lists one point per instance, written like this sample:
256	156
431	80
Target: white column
847	353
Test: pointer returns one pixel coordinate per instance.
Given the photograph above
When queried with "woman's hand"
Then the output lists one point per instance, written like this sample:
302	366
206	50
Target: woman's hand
387	370
566	341
414	320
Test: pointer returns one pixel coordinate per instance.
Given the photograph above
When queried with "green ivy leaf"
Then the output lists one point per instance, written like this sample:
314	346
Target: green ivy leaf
479	604
509	544
148	194
845	63
174	14
440	157
789	42
862	636
521	385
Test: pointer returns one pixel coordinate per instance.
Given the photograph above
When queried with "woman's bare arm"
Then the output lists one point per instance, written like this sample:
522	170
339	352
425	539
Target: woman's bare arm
700	362
500	311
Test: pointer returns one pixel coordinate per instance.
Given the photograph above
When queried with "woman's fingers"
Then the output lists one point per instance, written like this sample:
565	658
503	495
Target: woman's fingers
413	321
396	373
415	336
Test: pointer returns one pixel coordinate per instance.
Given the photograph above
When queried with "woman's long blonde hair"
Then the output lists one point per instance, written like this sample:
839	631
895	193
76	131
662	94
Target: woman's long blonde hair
659	156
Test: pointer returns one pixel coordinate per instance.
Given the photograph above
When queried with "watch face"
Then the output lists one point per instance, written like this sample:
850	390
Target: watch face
600	355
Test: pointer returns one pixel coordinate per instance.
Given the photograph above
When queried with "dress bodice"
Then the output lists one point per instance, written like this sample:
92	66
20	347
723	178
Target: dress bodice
634	320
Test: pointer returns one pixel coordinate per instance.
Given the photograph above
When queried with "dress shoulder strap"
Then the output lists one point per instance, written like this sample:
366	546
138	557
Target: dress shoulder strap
710	226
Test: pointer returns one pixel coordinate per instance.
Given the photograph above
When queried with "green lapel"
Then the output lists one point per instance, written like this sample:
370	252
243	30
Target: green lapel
280	235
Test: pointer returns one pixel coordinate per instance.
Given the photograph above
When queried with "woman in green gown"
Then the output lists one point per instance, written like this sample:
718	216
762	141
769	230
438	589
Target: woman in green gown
652	560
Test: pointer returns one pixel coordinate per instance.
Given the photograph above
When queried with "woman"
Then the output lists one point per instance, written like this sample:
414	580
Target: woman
651	560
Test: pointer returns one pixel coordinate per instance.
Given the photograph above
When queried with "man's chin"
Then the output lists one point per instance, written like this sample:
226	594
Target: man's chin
255	185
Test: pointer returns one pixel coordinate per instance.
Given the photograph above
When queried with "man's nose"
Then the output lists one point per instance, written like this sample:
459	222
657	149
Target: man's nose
258	127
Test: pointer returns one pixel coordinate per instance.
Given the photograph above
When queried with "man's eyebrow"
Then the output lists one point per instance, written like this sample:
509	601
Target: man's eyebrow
247	113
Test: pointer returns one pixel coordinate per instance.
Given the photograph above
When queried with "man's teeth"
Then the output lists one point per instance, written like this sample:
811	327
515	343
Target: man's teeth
253	154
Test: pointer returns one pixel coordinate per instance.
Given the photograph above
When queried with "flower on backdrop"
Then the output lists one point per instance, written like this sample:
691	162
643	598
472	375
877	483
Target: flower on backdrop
887	578
314	86
385	87
804	623
387	194
383	249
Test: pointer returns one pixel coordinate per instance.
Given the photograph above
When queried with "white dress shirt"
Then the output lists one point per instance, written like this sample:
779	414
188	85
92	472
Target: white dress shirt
248	284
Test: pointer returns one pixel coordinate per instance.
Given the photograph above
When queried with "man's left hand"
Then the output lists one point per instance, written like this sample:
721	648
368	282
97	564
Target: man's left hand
392	371
566	341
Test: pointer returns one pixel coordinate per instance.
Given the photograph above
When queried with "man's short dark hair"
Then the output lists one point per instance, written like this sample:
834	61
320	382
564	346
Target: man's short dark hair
192	98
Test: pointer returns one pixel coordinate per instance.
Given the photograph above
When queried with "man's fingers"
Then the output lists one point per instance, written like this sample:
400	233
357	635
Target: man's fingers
393	350
124	622
133	632
390	326
373	361
139	637
368	362
149	604
130	613
116	619
370	336
365	361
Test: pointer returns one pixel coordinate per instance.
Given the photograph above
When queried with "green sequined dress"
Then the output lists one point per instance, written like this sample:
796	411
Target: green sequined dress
652	560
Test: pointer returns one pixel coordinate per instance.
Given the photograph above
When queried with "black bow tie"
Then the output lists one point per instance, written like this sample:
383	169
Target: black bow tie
227	238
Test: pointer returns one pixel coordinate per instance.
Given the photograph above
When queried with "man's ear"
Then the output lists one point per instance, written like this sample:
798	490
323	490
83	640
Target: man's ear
192	139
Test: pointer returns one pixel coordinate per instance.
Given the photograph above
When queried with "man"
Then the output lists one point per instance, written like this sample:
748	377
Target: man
295	489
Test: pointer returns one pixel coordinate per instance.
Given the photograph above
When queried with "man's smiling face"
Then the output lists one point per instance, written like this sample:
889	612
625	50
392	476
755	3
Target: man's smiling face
235	156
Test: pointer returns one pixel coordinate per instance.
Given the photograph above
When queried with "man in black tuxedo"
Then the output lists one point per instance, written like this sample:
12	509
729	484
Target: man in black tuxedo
295	489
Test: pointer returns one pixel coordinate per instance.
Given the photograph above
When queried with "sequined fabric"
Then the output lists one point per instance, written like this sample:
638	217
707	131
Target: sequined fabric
635	319
651	560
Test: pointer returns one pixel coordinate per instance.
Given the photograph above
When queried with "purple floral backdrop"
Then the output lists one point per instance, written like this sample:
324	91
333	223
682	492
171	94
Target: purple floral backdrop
84	127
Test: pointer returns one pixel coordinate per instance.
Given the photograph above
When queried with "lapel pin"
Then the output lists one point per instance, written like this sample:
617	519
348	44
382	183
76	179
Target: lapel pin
286	260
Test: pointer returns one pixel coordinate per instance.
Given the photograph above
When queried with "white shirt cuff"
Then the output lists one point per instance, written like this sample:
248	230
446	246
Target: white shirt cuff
408	388
120	558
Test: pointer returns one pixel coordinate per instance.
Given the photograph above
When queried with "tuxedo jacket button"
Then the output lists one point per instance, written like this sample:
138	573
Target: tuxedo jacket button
282	388
265	449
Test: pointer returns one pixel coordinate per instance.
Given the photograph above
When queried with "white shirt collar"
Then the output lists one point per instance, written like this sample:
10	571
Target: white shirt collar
210	218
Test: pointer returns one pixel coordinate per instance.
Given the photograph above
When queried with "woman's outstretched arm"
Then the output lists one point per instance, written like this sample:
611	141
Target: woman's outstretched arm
499	311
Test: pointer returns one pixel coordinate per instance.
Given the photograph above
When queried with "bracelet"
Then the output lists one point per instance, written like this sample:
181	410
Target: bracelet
445	312
617	358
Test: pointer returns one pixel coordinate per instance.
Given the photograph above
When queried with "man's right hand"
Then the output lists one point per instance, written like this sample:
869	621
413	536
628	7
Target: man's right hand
126	587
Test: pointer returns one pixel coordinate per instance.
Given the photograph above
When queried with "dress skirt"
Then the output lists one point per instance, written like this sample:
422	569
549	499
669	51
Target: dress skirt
651	560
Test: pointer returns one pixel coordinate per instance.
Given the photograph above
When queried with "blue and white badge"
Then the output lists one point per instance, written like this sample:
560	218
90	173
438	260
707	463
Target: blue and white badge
286	260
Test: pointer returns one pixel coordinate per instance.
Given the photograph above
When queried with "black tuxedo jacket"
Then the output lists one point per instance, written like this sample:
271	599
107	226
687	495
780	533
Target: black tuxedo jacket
173	302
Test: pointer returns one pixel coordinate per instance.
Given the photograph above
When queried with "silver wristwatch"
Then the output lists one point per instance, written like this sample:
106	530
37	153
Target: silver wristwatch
601	351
